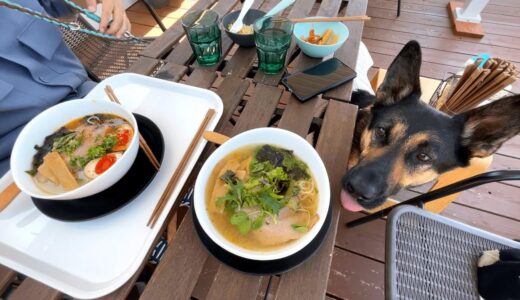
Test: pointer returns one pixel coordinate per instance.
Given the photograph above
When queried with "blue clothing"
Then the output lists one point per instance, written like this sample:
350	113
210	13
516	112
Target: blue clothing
37	70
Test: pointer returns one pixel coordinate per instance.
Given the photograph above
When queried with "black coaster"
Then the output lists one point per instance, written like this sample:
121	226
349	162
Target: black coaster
139	176
263	267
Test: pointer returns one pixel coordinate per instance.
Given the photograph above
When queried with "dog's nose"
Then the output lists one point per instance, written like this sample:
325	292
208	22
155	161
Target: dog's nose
365	188
350	188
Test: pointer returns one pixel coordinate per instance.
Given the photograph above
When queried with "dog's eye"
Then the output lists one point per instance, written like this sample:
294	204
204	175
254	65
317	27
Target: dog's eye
423	157
380	132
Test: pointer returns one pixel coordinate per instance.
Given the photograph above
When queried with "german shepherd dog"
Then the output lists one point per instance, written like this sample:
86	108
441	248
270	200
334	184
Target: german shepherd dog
400	141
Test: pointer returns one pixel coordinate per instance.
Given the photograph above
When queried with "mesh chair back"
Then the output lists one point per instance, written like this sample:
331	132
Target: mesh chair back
103	57
432	257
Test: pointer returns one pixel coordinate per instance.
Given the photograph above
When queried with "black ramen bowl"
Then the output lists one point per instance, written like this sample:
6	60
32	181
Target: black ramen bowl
243	40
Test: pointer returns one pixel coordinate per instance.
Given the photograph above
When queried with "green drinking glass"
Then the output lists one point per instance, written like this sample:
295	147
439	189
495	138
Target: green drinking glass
203	33
272	38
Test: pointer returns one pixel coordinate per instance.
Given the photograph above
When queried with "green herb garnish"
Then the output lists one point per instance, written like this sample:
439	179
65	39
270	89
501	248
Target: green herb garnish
94	152
271	186
67	144
242	221
100	150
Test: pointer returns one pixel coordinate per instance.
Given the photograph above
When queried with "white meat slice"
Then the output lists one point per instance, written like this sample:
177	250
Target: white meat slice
281	231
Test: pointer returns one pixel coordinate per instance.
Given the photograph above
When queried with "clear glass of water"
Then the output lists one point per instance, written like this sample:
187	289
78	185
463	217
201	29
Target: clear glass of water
203	33
272	38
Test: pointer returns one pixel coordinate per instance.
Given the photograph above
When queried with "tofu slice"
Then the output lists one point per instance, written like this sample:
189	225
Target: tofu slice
56	168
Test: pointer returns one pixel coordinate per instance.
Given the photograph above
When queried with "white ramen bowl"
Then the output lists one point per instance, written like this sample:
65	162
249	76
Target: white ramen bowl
283	139
51	120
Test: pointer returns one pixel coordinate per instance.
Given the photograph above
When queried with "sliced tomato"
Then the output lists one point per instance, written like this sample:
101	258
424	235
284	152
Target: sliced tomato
105	162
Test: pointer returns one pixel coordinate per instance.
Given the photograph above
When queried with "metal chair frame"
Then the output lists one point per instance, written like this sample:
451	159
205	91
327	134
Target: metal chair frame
102	57
429	256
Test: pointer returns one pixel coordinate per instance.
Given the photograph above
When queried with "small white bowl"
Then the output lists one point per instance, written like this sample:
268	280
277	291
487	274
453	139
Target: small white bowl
51	120
272	136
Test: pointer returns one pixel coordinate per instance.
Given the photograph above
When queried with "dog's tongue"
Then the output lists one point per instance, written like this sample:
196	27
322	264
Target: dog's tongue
349	203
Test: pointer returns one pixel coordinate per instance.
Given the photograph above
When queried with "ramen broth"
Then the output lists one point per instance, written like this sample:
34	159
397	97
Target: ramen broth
279	198
80	151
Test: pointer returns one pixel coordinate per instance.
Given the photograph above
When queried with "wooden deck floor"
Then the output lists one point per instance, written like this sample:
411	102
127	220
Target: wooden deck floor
358	265
143	23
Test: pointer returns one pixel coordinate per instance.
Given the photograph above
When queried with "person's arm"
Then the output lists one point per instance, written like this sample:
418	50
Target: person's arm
114	11
111	10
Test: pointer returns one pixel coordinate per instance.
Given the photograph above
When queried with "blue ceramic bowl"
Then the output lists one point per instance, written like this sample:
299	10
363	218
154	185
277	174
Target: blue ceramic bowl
320	51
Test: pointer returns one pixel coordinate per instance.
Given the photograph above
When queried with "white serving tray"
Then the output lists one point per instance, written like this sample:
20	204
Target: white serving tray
90	259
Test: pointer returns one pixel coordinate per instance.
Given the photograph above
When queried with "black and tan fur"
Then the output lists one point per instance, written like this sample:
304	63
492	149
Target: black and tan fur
400	141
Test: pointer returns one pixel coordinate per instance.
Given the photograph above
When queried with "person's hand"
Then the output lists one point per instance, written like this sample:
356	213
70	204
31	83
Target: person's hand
115	9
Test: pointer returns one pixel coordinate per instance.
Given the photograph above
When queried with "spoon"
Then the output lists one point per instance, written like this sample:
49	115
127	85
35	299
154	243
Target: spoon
275	10
279	7
238	23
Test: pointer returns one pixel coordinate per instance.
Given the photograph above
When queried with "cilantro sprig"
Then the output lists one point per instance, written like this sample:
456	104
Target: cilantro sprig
268	189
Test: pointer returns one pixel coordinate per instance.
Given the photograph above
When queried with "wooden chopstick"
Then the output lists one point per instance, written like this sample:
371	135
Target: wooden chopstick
8	194
331	19
142	142
178	171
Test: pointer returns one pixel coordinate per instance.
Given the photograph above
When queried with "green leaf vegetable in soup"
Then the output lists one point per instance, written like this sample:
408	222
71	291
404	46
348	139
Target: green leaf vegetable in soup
79	152
262	197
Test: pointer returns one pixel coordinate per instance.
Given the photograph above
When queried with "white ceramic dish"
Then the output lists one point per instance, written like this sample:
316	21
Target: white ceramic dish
51	120
273	136
92	258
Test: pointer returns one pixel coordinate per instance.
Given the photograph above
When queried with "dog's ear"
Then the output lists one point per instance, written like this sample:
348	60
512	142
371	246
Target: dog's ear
402	77
362	98
487	127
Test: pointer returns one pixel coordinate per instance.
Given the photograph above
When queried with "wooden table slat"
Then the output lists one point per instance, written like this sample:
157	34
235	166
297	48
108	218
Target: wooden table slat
231	90
348	53
201	289
310	281
201	78
272	288
6	277
259	110
177	273
298	116
32	289
329	8
182	53
164	43
143	65
240	63
300	9
172	72
354	276
230	284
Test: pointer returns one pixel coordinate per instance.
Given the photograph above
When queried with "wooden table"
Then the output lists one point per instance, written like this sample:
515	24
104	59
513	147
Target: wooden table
251	99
